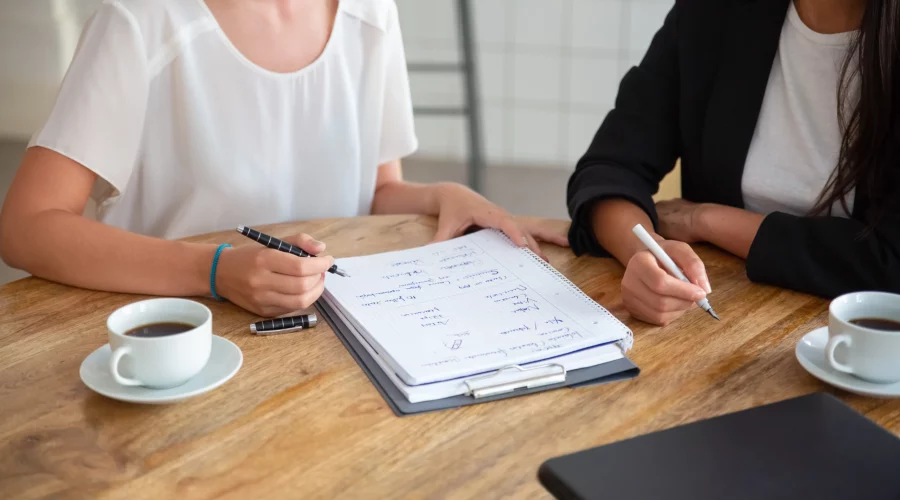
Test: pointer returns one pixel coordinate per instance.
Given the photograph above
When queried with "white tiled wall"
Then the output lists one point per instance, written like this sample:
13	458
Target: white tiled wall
548	69
37	40
548	72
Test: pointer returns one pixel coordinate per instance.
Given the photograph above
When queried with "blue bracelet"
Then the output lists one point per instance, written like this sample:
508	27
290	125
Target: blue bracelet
212	272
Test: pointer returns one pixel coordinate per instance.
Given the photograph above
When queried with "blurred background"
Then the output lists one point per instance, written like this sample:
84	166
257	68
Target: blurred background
536	82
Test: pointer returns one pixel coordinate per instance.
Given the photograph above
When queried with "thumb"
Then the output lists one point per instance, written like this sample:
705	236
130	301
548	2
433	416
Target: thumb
306	242
445	231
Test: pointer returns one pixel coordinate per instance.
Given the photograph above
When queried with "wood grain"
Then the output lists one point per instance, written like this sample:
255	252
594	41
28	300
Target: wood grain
301	420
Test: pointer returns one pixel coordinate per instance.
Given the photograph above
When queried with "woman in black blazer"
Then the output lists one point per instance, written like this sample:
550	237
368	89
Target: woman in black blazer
725	88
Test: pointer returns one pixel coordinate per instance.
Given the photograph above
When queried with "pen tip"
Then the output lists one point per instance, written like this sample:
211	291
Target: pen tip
340	272
714	315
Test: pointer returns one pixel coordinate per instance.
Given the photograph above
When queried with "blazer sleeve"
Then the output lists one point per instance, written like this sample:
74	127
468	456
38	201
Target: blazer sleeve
826	256
637	144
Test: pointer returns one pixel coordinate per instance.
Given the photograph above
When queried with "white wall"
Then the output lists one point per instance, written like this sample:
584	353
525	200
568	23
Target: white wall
37	38
549	71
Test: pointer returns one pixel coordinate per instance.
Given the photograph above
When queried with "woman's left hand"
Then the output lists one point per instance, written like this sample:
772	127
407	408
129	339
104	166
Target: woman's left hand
678	220
461	208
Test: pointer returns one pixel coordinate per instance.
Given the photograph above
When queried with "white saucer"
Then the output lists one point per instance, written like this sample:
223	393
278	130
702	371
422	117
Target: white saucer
811	354
225	360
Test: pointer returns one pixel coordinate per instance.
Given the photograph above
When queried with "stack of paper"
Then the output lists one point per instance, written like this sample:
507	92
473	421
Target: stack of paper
438	316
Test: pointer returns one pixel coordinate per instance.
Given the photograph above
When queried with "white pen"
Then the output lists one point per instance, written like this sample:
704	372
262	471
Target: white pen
668	263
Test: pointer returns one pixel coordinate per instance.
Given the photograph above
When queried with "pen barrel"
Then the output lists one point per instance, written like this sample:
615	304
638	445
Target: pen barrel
299	252
270	242
670	266
293	323
659	253
281	246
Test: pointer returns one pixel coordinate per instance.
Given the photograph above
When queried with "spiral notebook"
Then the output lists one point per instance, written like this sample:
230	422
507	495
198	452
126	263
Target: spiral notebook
440	318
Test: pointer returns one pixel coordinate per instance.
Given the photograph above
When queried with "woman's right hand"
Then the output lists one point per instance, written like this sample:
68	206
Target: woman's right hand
271	283
651	294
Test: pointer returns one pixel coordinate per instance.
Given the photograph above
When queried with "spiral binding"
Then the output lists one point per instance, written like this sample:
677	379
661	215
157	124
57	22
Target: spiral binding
624	344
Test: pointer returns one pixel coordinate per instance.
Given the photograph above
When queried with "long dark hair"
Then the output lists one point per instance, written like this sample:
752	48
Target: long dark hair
870	118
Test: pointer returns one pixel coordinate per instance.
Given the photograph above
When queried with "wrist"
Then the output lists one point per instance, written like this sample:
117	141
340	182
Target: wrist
202	259
700	222
439	195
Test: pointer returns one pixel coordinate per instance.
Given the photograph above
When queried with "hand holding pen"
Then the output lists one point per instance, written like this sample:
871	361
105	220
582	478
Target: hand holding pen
283	246
664	281
272	283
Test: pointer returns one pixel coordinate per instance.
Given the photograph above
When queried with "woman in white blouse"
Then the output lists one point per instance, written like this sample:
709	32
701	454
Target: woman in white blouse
181	117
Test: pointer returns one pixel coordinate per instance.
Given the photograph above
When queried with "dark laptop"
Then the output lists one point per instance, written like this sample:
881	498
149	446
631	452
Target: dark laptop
811	447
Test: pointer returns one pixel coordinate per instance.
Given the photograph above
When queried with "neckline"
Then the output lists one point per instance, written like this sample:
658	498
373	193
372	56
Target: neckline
829	39
265	71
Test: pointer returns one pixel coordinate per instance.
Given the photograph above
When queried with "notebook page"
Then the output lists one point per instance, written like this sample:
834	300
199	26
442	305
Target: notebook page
440	390
467	306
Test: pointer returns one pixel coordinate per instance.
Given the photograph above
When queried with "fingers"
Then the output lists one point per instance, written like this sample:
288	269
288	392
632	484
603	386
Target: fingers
644	312
519	237
690	263
550	236
279	303
306	242
292	285
291	265
652	295
511	229
534	247
654	301
446	231
662	283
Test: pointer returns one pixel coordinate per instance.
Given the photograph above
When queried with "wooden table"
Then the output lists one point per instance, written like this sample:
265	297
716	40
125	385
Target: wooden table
301	420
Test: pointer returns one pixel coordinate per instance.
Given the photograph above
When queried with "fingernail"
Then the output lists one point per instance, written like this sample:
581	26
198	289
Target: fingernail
317	243
699	295
525	241
706	286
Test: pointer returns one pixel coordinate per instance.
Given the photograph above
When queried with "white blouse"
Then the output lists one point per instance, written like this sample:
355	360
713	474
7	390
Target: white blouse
797	141
188	136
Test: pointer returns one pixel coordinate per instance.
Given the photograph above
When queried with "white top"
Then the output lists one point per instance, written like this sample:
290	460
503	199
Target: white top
188	136
797	140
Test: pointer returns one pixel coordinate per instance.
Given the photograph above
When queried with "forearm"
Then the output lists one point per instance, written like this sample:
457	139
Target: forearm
613	220
71	249
401	197
731	229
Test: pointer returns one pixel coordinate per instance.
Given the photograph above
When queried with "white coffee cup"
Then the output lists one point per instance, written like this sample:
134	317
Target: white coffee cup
159	362
869	354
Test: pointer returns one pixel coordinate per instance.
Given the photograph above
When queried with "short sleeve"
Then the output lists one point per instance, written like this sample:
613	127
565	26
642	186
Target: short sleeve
98	116
398	134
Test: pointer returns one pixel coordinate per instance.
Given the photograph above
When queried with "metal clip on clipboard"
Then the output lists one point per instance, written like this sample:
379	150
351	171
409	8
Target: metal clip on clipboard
481	386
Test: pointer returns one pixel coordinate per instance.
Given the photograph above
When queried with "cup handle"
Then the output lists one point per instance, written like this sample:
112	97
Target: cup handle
833	344
114	366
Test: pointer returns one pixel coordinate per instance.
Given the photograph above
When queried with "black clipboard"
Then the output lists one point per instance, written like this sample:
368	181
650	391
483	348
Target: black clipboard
620	369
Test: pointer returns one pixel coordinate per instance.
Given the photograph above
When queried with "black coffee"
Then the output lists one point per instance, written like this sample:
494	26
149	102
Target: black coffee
159	329
877	323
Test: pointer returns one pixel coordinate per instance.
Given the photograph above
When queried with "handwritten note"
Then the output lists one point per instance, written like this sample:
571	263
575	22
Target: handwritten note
466	306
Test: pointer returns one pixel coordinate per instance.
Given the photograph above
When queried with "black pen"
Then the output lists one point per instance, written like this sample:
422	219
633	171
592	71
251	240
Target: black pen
284	325
276	244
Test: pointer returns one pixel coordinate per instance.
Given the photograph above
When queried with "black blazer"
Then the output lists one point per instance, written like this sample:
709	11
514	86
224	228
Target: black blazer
696	96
